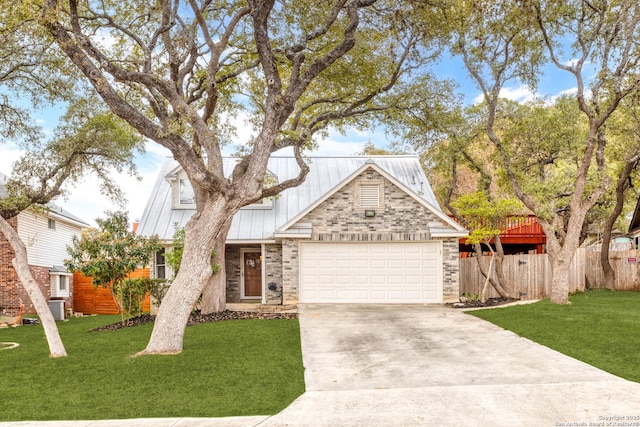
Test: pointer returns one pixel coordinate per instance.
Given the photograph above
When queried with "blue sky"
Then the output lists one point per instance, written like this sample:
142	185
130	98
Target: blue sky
86	202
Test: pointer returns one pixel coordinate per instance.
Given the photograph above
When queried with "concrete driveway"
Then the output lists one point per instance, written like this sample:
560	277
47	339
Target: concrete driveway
432	365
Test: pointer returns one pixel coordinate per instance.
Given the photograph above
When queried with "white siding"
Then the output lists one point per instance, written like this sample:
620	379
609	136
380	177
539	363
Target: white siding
45	247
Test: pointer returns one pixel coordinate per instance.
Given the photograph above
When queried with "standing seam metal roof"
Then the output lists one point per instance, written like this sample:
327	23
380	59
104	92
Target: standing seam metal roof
325	174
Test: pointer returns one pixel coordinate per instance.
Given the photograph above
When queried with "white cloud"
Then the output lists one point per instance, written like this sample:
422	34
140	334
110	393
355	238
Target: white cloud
571	62
9	153
571	91
518	94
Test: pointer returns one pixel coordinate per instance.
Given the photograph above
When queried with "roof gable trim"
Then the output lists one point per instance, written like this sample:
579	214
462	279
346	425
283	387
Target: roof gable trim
370	164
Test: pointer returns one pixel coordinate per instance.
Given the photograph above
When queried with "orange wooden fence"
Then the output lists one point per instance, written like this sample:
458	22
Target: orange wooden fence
90	300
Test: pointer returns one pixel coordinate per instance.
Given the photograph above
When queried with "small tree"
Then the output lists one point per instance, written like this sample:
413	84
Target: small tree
109	255
486	219
174	257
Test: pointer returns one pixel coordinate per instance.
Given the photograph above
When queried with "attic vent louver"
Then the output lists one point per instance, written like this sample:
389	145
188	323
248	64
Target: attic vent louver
370	196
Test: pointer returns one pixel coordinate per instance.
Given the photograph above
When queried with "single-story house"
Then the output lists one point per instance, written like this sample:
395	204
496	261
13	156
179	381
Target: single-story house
360	229
46	234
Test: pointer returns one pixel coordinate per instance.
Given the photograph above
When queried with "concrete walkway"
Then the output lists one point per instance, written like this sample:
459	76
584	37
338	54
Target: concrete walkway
388	365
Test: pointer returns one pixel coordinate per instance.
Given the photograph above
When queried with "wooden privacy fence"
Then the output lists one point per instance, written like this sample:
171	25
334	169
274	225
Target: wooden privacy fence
530	275
90	300
624	263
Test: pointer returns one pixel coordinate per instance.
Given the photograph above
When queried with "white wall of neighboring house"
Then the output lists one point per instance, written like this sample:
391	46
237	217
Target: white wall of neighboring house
46	247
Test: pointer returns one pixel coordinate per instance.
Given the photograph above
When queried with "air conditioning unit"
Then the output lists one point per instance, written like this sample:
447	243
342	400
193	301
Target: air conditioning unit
57	308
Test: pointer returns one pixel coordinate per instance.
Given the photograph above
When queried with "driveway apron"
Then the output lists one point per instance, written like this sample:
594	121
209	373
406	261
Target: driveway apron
433	365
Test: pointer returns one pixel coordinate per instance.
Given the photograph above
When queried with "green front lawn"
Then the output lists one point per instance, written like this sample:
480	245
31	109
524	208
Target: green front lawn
600	327
236	367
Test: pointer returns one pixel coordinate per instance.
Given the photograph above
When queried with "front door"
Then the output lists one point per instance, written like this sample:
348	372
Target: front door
252	274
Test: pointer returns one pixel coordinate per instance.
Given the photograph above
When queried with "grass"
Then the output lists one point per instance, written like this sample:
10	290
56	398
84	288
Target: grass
599	327
228	368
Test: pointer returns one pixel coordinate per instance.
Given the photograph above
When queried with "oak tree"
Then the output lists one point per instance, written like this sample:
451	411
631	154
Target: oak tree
180	72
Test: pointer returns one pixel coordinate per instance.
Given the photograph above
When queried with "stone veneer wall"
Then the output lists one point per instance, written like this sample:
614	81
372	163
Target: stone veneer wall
273	273
232	266
290	271
451	270
400	218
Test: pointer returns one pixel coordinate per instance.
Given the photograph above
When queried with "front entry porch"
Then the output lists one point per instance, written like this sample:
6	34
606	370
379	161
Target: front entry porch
254	273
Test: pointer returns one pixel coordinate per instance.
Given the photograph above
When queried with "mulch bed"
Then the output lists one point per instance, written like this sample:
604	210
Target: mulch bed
197	318
490	302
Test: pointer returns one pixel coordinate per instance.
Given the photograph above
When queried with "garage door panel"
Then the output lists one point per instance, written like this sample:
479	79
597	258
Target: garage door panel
413	249
377	249
344	294
378	280
413	295
378	295
342	279
371	272
343	263
414	264
429	263
395	263
360	263
325	263
360	295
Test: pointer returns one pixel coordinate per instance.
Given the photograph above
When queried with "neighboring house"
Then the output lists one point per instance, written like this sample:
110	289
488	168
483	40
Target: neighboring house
522	235
46	235
358	230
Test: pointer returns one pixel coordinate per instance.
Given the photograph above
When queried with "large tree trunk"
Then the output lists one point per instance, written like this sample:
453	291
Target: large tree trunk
621	187
214	296
194	275
560	256
560	280
21	265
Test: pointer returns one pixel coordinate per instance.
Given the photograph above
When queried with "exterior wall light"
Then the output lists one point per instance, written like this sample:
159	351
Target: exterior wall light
369	213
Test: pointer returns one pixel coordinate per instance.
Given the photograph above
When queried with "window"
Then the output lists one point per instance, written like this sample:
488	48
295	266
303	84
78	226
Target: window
369	196
160	265
59	282
187	196
52	224
265	203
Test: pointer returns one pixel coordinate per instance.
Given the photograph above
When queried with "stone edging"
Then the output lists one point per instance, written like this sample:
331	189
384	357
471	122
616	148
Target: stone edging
511	304
11	345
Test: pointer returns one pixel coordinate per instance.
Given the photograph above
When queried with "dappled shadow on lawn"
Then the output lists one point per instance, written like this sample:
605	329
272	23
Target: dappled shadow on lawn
197	318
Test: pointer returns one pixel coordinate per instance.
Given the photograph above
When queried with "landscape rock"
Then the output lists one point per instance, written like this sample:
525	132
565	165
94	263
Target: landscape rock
197	318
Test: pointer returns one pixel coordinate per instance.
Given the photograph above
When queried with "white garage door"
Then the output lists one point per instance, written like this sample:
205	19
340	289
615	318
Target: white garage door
370	272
